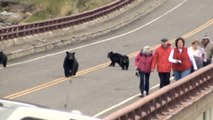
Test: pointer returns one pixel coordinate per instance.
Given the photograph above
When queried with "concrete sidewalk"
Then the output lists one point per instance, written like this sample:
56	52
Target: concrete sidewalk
20	47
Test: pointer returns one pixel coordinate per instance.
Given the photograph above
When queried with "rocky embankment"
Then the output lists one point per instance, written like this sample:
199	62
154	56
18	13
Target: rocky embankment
12	13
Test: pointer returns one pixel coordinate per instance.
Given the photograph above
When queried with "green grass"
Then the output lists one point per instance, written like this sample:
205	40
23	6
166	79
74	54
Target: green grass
48	9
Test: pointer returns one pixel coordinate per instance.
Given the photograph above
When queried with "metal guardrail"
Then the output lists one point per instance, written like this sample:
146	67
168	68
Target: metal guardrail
165	101
53	24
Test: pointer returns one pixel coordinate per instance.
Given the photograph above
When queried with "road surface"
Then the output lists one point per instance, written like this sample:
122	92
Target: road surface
39	78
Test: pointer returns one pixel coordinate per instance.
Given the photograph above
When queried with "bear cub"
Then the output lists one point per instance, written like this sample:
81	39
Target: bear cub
122	60
3	59
70	64
124	63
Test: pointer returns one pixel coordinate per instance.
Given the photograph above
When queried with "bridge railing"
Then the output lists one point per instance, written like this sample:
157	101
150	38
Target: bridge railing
53	24
163	102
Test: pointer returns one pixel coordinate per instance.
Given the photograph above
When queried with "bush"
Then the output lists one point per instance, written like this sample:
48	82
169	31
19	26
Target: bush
48	9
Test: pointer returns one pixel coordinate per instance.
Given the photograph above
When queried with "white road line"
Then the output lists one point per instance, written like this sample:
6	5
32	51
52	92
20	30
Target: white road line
133	97
125	101
121	103
101	41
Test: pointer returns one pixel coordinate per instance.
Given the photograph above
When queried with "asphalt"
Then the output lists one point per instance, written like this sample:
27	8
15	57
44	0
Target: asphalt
20	47
39	78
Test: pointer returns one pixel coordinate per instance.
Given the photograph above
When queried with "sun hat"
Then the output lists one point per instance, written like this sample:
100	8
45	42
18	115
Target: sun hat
205	36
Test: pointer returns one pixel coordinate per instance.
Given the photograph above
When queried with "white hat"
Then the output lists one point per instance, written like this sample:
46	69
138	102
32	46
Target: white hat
205	36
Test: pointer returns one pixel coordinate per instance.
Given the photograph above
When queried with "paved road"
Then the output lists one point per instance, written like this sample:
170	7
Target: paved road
97	86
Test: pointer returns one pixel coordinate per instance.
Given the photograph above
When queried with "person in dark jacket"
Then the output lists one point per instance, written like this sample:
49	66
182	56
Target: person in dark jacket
143	62
160	59
207	44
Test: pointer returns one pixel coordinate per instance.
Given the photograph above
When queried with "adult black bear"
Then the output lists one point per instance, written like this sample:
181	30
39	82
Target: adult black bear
70	64
123	61
115	58
3	59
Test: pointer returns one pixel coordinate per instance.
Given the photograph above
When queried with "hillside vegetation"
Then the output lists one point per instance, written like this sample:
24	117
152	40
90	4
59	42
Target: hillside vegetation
36	10
46	9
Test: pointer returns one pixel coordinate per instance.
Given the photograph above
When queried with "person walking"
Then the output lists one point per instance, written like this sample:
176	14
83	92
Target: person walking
198	53
182	59
207	44
160	59
143	62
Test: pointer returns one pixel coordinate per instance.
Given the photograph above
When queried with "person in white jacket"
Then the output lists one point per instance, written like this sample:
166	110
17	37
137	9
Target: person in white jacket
198	53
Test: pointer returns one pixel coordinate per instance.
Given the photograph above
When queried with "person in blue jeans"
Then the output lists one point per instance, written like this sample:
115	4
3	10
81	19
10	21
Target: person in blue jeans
143	62
182	59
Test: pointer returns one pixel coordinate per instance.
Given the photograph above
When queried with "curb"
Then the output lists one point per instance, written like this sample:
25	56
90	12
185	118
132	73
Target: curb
100	26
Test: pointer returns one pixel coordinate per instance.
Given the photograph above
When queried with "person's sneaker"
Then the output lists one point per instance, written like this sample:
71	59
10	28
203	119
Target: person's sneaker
144	93
141	96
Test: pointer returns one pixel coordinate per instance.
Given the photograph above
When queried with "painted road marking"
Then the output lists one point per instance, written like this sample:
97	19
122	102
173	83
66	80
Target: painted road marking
207	24
59	80
101	41
121	103
54	82
125	101
45	85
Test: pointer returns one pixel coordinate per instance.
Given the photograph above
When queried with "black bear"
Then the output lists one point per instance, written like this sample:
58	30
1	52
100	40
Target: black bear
115	58
70	64
3	59
123	61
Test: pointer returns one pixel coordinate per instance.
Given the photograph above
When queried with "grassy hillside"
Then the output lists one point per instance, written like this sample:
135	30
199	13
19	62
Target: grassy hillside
47	9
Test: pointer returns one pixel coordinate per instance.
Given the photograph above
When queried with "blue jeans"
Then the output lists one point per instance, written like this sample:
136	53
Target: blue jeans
180	74
144	82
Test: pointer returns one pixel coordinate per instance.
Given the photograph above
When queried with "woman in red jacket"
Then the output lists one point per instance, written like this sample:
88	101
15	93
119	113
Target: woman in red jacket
143	62
161	56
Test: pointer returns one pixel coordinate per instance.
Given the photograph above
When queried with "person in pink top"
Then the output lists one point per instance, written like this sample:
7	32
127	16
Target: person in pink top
143	62
161	60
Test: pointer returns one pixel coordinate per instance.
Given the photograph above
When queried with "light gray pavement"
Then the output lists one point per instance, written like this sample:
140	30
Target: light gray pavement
20	47
105	87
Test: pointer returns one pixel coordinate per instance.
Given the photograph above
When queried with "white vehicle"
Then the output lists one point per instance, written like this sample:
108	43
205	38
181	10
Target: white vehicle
11	110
